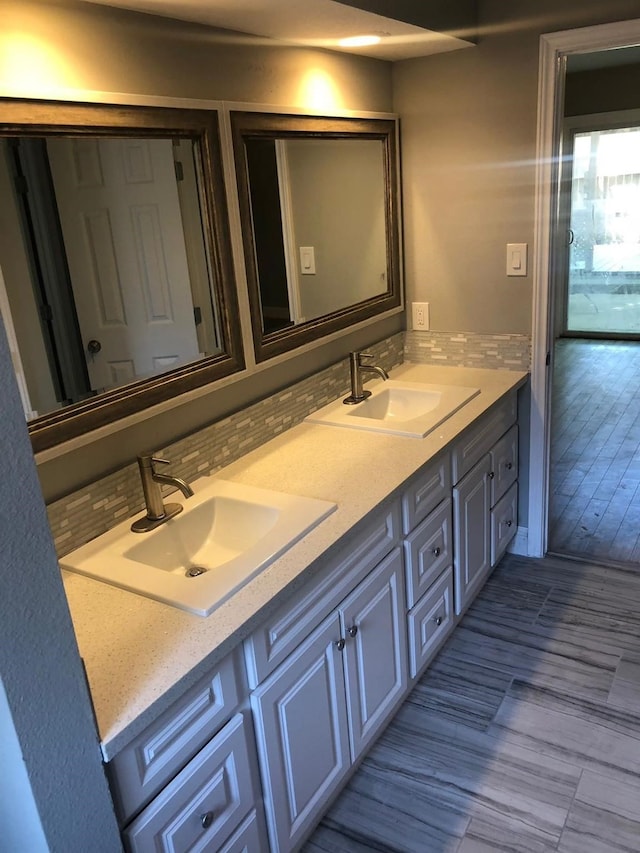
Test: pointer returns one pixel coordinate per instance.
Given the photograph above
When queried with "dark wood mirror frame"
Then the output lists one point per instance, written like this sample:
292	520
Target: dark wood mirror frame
39	118
250	125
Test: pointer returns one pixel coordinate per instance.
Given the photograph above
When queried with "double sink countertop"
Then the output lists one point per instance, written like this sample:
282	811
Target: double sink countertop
141	655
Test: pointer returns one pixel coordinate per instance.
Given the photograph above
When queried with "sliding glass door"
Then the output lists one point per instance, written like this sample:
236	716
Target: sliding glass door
603	287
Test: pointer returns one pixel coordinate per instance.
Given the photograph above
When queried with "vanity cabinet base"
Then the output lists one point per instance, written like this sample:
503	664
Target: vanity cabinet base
316	714
325	672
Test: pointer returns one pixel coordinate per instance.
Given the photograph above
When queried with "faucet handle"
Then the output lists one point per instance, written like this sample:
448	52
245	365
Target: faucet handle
362	355
147	460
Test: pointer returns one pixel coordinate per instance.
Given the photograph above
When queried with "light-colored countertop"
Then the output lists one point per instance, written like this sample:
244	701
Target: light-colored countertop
141	655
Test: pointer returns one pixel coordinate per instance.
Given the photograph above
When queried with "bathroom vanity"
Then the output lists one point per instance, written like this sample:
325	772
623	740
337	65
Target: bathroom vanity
236	731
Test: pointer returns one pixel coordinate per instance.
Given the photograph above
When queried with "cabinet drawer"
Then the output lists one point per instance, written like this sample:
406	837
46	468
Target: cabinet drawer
481	436
430	622
504	464
428	551
145	766
504	523
203	804
432	485
274	641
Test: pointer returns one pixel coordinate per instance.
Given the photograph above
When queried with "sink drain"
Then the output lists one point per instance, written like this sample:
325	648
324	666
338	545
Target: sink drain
195	571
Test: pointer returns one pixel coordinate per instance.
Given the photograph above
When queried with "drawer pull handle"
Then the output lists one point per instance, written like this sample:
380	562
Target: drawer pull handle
438	620
353	630
340	644
437	551
508	465
206	820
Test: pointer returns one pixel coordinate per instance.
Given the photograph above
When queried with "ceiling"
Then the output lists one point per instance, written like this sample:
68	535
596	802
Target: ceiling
310	23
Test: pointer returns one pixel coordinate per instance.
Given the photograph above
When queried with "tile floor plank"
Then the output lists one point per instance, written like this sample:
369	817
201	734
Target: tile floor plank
524	734
595	450
603	818
505	836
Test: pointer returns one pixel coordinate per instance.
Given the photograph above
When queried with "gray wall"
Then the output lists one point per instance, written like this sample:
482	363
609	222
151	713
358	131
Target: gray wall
46	718
112	50
338	206
469	137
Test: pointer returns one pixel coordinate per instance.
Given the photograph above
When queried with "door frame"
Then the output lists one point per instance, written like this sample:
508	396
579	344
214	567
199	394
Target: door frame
554	50
288	232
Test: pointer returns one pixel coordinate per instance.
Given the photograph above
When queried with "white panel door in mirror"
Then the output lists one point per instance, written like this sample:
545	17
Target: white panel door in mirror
121	222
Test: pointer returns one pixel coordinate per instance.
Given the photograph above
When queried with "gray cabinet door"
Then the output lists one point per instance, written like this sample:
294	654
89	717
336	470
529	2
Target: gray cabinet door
302	736
374	628
472	533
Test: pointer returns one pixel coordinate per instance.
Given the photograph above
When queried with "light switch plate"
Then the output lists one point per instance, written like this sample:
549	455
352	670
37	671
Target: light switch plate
516	258
307	260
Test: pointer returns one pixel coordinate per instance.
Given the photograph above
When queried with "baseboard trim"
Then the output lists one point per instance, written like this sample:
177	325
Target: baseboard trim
520	543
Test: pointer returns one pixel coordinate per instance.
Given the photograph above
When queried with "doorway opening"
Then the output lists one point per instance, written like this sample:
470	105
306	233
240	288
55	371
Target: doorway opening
550	234
594	500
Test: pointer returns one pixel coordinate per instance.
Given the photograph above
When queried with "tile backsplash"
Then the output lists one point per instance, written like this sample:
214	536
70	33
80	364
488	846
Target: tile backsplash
94	509
468	349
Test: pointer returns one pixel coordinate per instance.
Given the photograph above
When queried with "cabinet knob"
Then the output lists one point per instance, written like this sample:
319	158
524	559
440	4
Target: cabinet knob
491	475
353	630
206	820
340	644
508	465
438	620
509	523
437	551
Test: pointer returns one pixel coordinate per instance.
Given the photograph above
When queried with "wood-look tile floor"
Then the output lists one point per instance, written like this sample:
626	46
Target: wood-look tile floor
524	733
595	451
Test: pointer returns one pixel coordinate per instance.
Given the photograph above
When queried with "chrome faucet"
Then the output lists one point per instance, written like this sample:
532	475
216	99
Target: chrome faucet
357	368
157	511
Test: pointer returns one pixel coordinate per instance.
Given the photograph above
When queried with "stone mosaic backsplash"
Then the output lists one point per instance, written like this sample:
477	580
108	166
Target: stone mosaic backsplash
468	349
94	509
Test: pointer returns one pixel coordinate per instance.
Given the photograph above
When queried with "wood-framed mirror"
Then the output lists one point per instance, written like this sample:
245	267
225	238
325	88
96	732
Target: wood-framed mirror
320	223
117	286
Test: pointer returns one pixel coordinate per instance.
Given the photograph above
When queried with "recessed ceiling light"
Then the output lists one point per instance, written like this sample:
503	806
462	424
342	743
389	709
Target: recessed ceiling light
359	41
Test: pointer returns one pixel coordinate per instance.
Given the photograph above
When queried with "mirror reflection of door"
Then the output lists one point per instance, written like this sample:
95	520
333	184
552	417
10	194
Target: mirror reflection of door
120	217
603	271
108	278
271	260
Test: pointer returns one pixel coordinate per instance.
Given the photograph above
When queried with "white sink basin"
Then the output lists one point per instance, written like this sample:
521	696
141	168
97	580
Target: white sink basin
411	409
225	535
396	403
